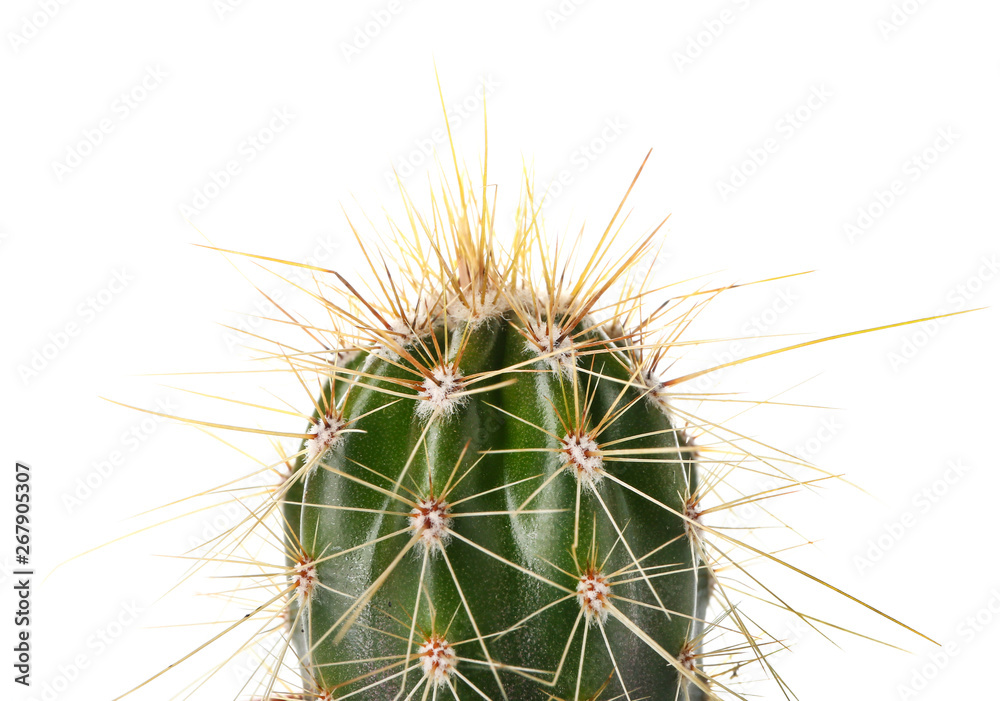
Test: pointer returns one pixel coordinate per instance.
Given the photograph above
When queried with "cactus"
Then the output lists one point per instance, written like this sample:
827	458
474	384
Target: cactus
497	497
499	493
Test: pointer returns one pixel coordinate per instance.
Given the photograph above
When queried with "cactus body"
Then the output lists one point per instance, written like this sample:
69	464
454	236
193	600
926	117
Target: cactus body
496	496
492	537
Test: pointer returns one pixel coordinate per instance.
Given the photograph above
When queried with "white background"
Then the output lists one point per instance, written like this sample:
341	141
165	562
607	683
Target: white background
704	84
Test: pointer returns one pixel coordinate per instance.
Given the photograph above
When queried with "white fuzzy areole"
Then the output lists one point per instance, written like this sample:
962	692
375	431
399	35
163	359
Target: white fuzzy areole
327	432
429	519
541	302
687	657
438	395
405	333
438	659
693	526
589	469
657	393
547	341
492	305
592	592
304	578
404	329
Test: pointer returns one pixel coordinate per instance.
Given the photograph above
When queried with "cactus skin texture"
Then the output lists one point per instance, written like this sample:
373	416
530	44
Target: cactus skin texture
545	539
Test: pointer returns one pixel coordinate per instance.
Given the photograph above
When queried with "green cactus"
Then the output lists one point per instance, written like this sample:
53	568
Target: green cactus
495	499
512	510
498	495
